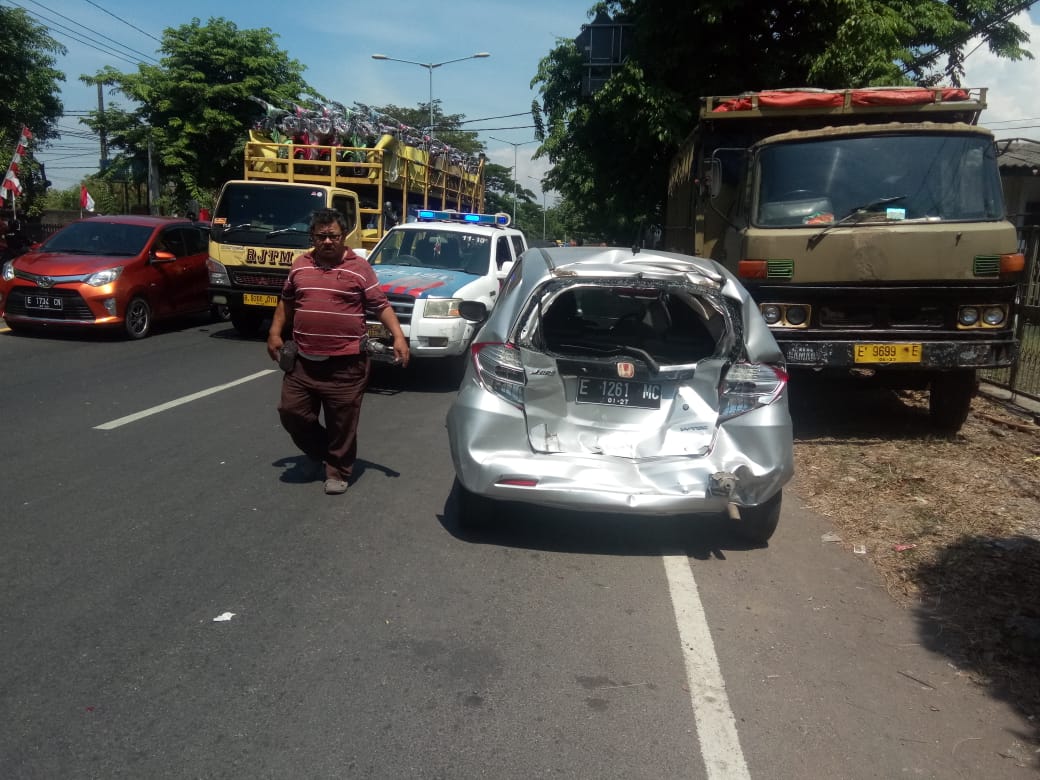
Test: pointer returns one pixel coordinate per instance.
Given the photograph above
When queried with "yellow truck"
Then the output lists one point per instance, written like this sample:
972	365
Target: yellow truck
868	225
260	222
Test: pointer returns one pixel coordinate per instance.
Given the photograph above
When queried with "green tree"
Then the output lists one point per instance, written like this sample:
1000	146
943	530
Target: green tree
108	198
499	188
195	106
29	96
610	151
29	90
447	127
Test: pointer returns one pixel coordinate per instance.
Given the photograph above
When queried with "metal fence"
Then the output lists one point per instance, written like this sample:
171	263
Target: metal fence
1024	376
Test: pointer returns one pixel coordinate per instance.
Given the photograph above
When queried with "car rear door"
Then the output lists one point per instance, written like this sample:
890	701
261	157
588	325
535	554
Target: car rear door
594	388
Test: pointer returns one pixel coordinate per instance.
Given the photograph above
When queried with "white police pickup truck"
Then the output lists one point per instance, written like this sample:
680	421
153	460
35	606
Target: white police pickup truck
427	267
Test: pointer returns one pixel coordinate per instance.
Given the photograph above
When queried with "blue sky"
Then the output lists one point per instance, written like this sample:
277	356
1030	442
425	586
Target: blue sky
336	44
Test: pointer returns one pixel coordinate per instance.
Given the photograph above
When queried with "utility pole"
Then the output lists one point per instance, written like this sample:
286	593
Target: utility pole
542	188
101	126
515	146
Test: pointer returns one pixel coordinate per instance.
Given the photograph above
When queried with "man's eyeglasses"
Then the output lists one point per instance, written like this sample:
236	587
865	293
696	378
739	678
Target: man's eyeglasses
319	237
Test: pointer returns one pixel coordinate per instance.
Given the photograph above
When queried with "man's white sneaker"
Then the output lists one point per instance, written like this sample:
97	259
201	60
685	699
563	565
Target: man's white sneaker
335	486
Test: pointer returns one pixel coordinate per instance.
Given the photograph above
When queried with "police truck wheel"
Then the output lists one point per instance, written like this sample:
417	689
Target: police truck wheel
757	523
247	323
138	318
950	399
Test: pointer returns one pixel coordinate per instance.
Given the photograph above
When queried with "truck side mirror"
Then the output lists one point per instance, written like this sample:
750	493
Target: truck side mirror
714	178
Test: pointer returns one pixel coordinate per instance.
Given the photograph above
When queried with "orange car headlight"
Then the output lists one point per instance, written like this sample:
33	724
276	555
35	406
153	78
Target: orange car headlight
101	278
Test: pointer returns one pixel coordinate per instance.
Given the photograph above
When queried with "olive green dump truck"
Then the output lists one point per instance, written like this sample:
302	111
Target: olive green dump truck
868	225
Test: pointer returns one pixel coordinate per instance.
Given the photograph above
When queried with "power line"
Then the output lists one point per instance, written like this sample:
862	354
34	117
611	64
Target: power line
70	157
485	129
489	118
50	24
124	21
95	32
1006	121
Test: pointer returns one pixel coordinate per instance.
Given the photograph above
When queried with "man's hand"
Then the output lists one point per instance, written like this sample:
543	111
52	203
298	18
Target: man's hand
401	351
274	344
274	335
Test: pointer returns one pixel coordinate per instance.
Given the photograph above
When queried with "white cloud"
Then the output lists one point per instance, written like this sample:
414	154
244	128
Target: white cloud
1012	110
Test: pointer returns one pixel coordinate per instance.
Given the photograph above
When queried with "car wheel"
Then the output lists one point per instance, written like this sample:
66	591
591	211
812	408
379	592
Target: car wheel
473	509
220	312
950	399
757	523
138	318
247	323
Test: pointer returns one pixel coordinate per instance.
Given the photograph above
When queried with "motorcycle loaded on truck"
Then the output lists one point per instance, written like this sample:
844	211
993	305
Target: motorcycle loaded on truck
374	171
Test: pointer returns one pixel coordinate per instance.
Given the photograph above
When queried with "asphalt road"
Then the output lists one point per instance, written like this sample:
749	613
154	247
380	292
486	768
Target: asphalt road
148	491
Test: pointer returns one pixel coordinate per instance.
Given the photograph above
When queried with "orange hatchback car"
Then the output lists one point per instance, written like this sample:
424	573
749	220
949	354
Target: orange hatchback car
118	271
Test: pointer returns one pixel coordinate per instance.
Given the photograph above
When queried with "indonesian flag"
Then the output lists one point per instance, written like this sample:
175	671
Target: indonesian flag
11	182
85	201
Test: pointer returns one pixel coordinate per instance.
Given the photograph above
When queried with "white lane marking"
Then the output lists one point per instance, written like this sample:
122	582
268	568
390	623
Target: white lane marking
179	401
716	726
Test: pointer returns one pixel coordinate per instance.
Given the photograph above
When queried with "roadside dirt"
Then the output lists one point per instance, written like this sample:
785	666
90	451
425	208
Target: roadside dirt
952	523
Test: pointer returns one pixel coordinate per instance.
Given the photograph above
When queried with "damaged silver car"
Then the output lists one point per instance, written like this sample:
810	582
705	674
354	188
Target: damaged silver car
624	381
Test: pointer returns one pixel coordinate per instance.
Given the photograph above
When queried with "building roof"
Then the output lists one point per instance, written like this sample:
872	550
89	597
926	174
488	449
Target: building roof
1019	156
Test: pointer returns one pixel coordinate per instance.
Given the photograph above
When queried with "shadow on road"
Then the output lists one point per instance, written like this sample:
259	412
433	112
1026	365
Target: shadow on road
528	527
428	376
976	609
829	410
975	577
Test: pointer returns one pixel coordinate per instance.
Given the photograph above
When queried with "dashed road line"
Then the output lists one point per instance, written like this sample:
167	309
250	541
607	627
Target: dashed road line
716	726
180	401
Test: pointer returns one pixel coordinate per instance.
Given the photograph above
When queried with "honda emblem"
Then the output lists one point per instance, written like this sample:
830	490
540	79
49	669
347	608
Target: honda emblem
626	370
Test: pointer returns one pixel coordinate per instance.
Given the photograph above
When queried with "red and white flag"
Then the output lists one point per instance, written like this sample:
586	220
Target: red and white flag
11	182
85	201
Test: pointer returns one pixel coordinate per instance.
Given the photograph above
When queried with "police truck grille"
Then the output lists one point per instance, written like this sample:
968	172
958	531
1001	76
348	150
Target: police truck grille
402	306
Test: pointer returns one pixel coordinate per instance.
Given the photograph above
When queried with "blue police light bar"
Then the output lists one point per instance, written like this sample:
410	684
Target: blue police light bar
462	216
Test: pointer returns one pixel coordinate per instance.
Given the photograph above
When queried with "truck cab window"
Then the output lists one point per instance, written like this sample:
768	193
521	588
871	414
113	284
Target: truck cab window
345	206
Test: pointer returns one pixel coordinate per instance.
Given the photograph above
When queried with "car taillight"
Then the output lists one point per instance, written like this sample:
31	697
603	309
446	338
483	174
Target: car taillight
747	386
500	371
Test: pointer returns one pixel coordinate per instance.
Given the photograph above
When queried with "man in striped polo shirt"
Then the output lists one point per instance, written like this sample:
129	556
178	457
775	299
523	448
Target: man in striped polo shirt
323	302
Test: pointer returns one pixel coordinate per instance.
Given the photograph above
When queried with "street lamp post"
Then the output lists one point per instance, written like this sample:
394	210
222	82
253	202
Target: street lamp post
543	203
430	67
515	147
